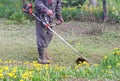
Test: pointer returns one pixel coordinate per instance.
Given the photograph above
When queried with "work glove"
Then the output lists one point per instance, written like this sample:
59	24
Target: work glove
50	12
60	21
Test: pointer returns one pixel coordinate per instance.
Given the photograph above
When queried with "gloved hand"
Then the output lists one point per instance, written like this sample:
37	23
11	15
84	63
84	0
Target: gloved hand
60	21
49	12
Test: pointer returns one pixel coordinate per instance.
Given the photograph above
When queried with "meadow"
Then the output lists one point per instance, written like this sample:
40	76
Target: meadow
99	42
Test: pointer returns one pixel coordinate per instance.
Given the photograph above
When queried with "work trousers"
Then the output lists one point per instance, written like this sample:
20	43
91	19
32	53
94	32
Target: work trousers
43	37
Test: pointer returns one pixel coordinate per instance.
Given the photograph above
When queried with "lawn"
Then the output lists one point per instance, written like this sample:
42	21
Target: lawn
93	40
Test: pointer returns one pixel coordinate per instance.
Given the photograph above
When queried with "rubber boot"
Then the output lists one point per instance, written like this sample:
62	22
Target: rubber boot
47	55
42	59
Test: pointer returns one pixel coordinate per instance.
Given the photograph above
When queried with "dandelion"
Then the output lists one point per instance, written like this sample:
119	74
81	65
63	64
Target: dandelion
14	70
38	68
46	66
105	57
15	76
36	65
1	70
56	69
65	76
118	64
47	73
118	52
103	70
0	60
113	8
86	63
27	75
10	61
110	72
12	75
96	65
116	48
21	80
26	63
78	66
1	75
113	52
109	66
5	68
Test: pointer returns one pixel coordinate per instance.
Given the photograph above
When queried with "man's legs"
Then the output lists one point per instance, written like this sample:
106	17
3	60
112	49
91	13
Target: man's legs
49	36
41	58
47	55
44	37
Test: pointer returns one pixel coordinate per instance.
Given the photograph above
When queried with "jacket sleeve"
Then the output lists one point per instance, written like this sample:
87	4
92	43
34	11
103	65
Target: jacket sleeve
58	10
39	5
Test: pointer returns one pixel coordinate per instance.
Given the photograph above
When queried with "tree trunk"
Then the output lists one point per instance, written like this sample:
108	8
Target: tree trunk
104	11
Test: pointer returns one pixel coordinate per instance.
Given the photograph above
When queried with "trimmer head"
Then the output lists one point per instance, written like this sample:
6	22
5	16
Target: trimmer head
80	60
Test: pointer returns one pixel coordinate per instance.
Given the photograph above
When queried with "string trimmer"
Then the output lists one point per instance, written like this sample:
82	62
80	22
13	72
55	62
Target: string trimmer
27	8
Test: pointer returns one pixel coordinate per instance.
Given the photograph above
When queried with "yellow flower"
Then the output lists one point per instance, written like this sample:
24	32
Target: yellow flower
26	63
1	70
116	48
57	69
118	52
110	72
47	73
10	61
118	64
27	75
103	70
0	60
15	76
113	52
21	80
11	74
5	68
105	57
36	65
86	63
96	65
78	66
1	75
65	76
109	66
113	8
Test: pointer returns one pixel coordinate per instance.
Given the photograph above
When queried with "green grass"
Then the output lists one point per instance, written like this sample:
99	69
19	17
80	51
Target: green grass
18	41
107	70
18	45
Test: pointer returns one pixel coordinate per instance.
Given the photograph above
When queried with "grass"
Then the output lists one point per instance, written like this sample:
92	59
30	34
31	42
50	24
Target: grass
18	41
18	48
107	70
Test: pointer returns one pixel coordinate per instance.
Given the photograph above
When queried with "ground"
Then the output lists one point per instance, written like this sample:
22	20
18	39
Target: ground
93	40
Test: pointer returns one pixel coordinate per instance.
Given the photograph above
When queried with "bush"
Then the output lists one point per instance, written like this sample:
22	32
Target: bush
70	13
18	16
89	13
11	10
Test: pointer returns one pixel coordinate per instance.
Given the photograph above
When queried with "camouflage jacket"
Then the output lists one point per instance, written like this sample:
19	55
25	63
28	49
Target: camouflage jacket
42	6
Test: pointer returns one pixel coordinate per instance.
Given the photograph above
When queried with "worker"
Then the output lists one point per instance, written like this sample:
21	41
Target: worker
49	9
